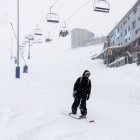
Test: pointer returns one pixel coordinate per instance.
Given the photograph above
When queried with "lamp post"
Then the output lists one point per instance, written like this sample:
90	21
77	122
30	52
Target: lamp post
17	67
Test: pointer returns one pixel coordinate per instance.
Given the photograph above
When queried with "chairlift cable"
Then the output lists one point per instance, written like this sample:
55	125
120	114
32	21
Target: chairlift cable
74	13
60	6
77	10
40	20
13	30
45	14
55	3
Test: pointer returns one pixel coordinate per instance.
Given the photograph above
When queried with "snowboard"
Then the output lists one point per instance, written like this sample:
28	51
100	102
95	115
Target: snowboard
78	117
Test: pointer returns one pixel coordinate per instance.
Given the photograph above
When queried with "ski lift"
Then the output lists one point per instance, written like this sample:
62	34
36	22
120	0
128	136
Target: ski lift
48	38
38	35
64	31
101	6
38	32
39	41
52	17
25	69
29	37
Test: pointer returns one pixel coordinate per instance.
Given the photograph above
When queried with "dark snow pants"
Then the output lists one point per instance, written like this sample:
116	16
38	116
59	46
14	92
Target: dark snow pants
79	100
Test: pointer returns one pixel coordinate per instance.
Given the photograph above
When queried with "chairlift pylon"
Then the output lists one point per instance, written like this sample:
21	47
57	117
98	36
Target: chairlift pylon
52	17
101	6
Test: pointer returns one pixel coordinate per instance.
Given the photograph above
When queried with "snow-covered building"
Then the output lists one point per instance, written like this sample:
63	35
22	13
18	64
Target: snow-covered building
80	37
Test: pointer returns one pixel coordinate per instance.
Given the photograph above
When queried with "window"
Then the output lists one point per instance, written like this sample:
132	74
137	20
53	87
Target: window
121	34
124	22
129	28
112	35
138	18
118	29
137	30
125	32
135	10
126	40
113	43
134	24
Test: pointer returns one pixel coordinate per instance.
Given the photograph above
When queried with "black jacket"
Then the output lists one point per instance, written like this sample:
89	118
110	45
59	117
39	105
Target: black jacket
82	86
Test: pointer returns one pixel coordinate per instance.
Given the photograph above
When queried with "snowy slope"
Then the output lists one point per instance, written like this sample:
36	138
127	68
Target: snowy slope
31	107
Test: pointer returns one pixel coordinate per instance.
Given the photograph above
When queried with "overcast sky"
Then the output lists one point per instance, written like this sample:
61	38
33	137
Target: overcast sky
32	11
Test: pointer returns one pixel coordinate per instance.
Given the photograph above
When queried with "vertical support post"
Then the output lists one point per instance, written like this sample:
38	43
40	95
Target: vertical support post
17	67
29	49
12	48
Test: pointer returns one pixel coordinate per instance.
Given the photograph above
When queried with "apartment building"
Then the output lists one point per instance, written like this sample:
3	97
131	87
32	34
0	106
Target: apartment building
80	37
127	31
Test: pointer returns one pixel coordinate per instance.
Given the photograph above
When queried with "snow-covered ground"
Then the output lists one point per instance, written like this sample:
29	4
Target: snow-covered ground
31	107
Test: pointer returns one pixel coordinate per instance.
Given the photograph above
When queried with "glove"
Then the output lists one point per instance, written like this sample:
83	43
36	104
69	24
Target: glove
88	95
74	93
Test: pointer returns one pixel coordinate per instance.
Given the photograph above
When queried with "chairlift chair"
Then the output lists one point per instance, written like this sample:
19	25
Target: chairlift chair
63	31
48	38
38	35
101	6
38	32
39	41
29	37
52	17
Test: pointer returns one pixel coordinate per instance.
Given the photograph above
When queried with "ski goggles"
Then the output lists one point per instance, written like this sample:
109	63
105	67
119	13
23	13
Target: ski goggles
87	74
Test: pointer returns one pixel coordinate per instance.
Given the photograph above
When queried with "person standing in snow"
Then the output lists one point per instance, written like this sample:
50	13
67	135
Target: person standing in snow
81	93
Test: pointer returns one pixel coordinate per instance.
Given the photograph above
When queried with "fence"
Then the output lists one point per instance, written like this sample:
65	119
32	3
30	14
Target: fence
117	63
136	58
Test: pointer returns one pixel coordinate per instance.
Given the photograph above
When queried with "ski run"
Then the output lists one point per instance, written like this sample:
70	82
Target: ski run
31	107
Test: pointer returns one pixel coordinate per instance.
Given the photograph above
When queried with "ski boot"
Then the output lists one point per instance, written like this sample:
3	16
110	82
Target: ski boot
82	117
72	113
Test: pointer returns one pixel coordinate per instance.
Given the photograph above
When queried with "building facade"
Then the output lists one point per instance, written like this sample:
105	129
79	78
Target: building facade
127	31
80	37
